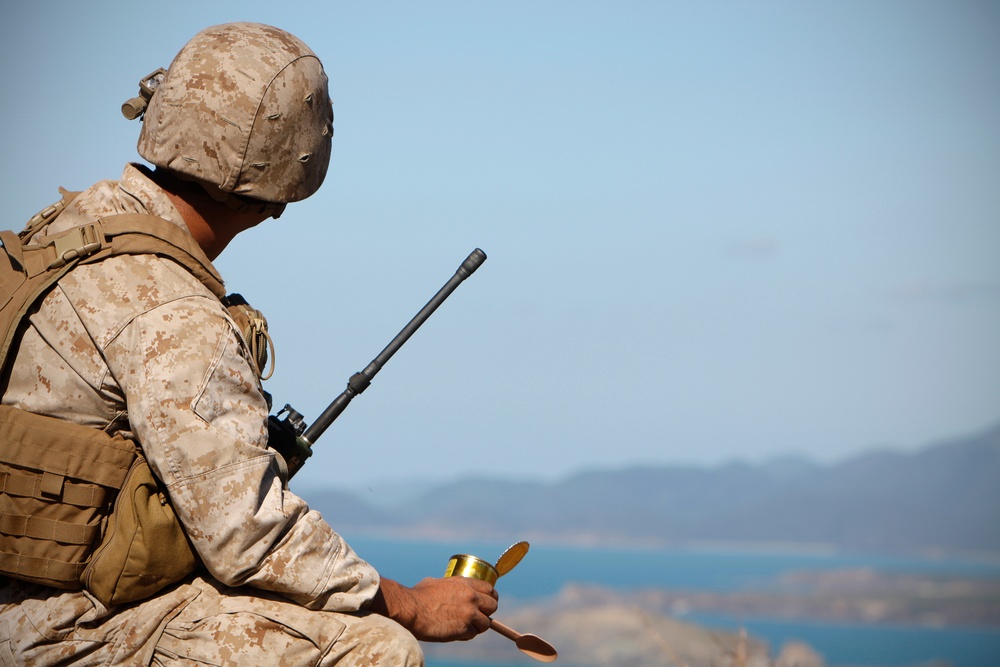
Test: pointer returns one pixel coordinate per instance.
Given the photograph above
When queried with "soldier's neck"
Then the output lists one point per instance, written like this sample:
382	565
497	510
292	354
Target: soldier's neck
212	224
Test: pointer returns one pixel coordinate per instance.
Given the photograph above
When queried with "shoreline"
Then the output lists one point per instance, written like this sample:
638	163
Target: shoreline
988	559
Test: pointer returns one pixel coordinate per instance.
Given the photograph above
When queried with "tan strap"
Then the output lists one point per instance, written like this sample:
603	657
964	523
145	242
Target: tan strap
18	525
27	272
131	233
63	448
33	567
55	251
123	234
29	486
11	275
12	243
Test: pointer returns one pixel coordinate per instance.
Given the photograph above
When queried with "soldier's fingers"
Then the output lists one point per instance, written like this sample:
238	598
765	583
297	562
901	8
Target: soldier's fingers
487	603
481	623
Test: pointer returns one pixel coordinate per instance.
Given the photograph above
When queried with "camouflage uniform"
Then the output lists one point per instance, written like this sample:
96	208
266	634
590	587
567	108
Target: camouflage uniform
136	343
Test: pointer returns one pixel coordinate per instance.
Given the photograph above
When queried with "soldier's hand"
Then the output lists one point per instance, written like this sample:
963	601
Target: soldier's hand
439	610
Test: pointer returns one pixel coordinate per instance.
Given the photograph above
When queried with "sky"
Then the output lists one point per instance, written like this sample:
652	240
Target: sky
716	231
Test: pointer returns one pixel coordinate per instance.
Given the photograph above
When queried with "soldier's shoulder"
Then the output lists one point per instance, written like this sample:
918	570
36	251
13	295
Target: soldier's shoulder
110	293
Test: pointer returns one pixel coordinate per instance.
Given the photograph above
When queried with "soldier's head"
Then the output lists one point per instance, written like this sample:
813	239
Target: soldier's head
244	109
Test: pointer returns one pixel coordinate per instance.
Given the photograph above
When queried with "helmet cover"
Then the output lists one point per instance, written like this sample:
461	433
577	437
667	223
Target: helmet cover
244	107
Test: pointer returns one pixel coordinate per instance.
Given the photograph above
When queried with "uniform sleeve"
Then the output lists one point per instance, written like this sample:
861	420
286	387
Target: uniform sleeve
195	406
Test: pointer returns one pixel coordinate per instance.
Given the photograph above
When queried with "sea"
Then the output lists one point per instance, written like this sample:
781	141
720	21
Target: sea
546	569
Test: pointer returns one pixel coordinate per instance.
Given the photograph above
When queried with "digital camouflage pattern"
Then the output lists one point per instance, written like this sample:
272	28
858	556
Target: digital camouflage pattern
244	107
136	344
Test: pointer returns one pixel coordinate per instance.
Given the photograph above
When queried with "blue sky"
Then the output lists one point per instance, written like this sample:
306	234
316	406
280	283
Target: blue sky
716	231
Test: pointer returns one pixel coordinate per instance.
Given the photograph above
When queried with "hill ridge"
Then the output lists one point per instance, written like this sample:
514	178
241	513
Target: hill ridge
944	497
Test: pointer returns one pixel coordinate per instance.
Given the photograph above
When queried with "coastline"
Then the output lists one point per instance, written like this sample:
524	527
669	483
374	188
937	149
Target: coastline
849	608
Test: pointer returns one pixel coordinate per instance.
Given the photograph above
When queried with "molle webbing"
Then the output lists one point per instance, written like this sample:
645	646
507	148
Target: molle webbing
57	481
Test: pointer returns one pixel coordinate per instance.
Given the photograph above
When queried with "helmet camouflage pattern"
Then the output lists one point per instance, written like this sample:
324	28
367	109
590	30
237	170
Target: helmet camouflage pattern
243	107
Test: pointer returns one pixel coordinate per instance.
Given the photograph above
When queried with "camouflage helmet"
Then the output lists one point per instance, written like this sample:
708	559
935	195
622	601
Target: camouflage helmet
244	108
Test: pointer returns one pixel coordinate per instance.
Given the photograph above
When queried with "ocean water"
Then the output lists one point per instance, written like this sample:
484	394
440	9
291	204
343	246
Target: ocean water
545	570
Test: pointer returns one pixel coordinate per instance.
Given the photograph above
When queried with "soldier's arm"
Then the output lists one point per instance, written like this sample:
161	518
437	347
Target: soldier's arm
194	403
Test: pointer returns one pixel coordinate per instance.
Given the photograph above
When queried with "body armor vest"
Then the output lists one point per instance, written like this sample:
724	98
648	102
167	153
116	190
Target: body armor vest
79	507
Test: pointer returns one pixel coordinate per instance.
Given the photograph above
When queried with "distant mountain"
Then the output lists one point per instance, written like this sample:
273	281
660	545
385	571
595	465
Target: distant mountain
945	497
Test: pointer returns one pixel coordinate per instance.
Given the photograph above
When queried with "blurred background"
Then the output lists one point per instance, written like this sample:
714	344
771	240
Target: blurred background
715	231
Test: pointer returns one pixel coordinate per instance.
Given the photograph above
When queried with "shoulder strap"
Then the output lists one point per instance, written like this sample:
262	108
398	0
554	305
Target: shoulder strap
138	234
28	271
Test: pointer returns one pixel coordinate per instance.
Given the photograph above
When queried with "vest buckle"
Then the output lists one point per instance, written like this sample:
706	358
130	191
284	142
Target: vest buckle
75	244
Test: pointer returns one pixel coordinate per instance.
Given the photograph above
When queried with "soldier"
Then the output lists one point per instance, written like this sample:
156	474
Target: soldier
239	126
